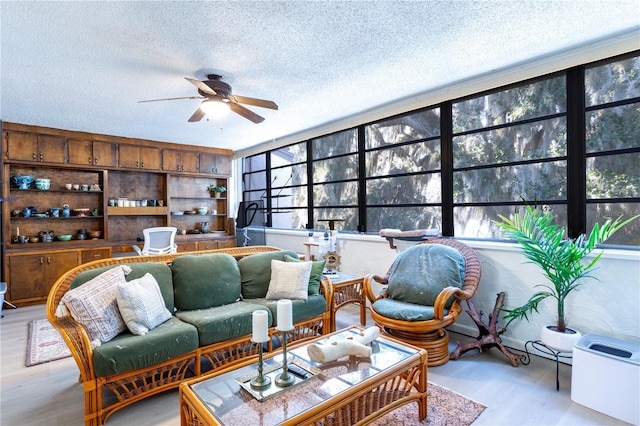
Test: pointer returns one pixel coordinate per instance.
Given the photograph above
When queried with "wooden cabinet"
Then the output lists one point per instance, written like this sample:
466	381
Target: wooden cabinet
112	168
32	275
34	147
174	160
92	153
139	157
215	164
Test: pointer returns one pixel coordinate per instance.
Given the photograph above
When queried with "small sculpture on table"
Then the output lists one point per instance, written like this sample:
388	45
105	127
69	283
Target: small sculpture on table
354	346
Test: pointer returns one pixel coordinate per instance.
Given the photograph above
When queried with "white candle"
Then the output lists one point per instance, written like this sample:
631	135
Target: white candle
260	327
17	231
285	315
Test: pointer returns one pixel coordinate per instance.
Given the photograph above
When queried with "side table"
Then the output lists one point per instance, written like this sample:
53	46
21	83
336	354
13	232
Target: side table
347	289
537	344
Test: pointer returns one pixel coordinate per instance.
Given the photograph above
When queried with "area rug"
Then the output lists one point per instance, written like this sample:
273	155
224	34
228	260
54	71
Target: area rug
45	343
444	408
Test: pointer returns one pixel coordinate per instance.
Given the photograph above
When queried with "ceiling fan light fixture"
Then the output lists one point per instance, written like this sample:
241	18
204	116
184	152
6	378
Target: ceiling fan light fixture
214	107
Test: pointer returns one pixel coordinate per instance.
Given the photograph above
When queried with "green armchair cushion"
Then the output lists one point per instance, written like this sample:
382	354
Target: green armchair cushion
256	272
205	280
404	311
421	272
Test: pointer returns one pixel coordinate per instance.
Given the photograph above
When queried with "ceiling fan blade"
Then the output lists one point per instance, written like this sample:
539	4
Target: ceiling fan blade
249	115
200	85
173	99
197	116
255	102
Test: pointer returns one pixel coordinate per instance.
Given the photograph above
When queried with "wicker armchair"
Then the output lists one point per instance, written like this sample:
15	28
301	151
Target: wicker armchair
427	329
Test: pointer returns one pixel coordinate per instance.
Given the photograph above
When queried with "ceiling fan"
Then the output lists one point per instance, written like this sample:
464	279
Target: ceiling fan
215	91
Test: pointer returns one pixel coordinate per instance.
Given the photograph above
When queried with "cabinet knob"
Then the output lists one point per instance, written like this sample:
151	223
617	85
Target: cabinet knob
41	260
35	156
142	165
90	161
95	161
48	260
137	164
41	157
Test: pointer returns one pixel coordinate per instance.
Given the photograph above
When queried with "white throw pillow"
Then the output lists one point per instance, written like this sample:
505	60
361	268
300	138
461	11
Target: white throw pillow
94	305
289	280
141	304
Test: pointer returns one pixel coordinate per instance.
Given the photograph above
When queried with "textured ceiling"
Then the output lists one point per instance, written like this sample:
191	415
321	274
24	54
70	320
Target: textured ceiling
85	65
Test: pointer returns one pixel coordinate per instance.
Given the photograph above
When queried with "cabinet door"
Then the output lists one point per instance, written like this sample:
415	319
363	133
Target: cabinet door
171	160
104	154
80	152
149	158
190	161
21	146
129	156
57	264
26	277
52	149
216	164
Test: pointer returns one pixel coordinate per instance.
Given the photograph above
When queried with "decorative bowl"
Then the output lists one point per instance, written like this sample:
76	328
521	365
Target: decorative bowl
64	237
43	184
202	211
94	234
23	182
177	213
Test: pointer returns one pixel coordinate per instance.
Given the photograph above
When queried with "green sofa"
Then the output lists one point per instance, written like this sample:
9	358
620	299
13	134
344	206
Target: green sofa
211	297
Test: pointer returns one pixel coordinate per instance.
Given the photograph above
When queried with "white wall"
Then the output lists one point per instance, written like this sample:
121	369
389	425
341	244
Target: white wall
608	307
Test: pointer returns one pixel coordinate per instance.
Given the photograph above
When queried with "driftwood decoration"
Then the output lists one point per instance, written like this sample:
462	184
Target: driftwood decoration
489	334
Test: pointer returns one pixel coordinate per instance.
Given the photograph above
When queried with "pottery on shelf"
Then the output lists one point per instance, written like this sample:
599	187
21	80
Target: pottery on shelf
23	182
43	184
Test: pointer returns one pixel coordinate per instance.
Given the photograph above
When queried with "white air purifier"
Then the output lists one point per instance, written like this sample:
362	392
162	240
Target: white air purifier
606	376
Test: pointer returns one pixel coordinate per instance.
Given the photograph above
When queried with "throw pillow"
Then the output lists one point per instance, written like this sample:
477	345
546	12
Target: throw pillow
256	272
94	305
141	304
317	267
289	280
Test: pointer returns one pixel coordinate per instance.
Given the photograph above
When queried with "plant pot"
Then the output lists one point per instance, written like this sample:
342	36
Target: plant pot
562	342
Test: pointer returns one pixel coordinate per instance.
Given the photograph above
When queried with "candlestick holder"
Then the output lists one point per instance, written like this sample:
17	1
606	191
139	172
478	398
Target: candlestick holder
260	381
285	379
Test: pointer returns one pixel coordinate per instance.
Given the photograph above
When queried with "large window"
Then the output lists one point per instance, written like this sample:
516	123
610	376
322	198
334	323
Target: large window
569	142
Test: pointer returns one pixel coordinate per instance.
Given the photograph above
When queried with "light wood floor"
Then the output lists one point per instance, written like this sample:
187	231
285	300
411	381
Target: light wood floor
50	394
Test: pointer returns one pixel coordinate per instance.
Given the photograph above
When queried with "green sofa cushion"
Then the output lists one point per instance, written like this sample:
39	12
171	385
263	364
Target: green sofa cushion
403	311
127	352
222	322
204	281
302	309
256	272
160	271
421	272
316	273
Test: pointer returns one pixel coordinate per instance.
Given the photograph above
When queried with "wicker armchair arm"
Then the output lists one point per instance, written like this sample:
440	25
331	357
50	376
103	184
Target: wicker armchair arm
326	289
441	300
368	289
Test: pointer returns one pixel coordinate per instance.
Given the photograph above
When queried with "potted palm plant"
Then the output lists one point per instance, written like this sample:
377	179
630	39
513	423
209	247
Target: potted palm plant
561	260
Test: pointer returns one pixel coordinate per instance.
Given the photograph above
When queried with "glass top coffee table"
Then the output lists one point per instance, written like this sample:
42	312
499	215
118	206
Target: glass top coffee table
347	391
